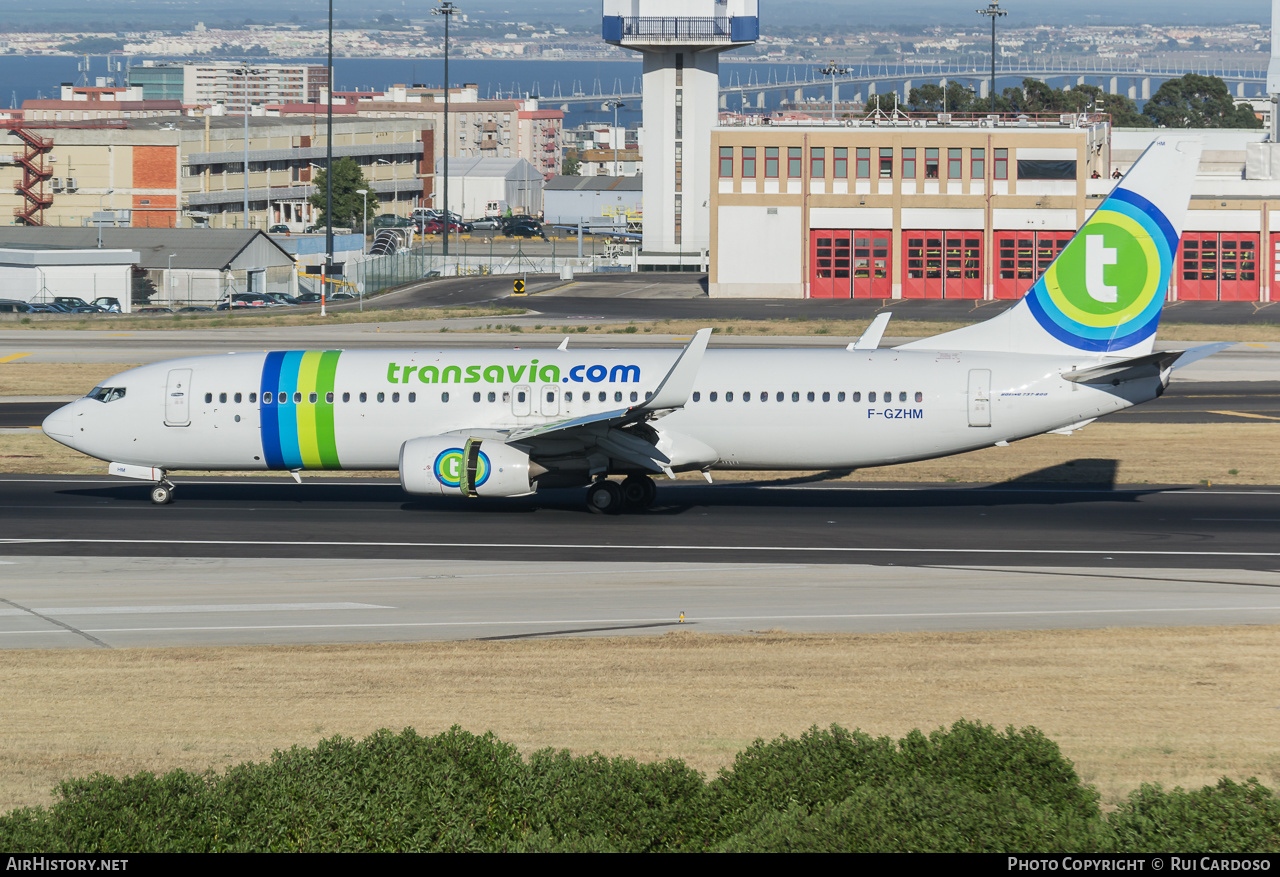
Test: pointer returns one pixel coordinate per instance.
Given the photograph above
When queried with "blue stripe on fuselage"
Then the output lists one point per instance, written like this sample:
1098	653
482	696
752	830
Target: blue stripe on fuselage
288	411
267	411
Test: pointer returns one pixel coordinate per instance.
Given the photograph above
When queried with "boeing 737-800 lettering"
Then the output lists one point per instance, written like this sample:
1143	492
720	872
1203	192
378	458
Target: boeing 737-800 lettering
470	423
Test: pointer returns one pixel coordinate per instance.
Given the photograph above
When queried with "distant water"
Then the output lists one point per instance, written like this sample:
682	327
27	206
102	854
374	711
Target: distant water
32	76
26	77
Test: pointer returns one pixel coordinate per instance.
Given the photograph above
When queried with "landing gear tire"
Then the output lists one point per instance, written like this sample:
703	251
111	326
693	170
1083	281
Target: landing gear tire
162	494
639	491
605	498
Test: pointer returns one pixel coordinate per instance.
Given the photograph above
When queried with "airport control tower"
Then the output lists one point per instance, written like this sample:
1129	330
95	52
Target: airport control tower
681	41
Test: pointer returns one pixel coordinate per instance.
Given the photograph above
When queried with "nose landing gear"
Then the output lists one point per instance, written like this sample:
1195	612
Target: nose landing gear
162	493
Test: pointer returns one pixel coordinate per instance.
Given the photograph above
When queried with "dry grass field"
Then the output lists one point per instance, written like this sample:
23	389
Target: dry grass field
1179	706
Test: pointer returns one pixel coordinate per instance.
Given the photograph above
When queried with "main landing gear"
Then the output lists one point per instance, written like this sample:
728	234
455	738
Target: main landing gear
162	493
611	498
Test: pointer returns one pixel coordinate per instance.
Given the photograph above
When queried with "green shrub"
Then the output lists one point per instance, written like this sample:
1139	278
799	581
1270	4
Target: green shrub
1227	818
919	815
967	788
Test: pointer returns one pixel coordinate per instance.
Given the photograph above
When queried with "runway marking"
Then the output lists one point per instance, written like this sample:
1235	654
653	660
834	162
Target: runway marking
689	620
61	625
828	549
1249	520
12	356
194	609
1237	414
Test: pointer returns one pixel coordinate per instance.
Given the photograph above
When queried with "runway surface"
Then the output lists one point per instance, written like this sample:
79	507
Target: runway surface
89	562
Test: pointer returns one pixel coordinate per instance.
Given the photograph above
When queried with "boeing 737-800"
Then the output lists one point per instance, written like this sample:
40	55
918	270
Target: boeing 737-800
468	423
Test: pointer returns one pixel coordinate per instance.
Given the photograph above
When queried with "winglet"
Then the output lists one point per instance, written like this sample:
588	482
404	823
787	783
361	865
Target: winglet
677	386
564	345
870	339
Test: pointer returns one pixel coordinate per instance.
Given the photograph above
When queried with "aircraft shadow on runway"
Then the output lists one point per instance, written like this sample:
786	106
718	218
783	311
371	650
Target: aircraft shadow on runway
1074	481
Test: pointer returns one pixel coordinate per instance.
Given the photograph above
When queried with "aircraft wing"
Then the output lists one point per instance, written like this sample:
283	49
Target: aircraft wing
605	430
672	393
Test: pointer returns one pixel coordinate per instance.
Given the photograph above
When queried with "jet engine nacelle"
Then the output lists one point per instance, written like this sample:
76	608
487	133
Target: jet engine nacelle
442	465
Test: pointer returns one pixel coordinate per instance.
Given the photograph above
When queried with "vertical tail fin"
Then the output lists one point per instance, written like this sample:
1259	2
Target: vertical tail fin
1104	292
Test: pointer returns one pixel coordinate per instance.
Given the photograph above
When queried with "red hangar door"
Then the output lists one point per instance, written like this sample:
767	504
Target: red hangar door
847	263
942	264
1218	266
1023	256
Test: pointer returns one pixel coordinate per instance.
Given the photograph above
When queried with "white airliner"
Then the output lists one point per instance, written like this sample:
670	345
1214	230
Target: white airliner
468	423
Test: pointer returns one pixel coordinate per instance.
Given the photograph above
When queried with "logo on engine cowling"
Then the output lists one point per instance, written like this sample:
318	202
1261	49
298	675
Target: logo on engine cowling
451	465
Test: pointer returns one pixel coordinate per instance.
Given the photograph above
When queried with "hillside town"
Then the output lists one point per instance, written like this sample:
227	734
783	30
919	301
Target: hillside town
394	38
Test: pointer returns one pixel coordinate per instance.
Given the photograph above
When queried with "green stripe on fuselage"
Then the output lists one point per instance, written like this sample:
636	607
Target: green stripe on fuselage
326	439
306	410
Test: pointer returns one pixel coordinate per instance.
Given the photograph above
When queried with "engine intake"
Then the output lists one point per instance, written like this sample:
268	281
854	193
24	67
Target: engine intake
442	465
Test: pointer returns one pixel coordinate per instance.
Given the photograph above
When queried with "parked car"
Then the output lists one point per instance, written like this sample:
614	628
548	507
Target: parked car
13	306
153	310
520	219
279	228
390	220
195	309
436	226
487	222
525	230
248	300
108	303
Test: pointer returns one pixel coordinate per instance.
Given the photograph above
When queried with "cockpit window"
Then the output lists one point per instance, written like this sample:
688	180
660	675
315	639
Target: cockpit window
106	394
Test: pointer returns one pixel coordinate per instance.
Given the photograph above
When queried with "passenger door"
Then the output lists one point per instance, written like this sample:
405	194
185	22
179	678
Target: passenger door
980	397
177	398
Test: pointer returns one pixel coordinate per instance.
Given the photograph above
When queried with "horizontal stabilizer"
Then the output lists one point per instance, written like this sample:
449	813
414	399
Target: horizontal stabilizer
1195	354
1153	365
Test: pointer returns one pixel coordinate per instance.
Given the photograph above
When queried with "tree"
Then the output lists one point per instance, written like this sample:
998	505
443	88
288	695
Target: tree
570	166
887	102
347	201
1195	101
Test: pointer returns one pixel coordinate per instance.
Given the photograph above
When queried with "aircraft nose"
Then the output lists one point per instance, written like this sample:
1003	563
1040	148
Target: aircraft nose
60	424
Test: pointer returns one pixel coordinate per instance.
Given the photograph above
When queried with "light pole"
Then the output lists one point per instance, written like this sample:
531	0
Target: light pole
101	210
833	70
395	182
328	170
364	213
993	11
448	10
168	277
615	105
245	72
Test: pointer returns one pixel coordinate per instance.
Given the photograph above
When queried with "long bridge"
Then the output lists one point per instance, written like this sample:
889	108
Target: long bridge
1136	79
